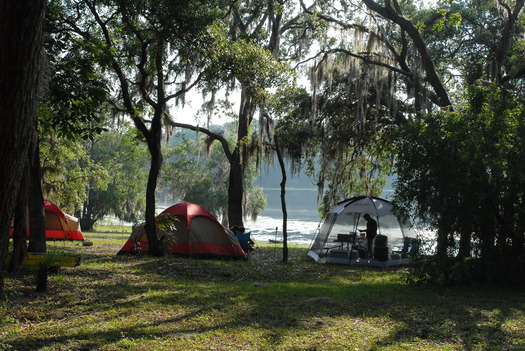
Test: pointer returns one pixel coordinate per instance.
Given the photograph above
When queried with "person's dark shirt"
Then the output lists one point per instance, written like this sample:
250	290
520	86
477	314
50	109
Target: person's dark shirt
371	228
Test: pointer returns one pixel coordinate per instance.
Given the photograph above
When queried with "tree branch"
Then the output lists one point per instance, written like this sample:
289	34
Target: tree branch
187	88
400	58
209	133
388	13
368	60
512	18
124	86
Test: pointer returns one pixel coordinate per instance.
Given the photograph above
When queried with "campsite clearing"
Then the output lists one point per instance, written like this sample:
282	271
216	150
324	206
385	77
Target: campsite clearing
139	302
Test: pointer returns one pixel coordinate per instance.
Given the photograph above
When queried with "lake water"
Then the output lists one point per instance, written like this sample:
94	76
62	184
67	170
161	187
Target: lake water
303	218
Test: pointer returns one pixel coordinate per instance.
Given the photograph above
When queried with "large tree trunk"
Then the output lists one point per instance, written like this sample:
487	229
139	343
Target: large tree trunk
21	23
37	221
20	227
443	232
151	232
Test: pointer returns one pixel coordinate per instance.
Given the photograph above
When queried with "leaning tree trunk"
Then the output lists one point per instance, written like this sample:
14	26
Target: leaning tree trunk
283	199
391	13
21	23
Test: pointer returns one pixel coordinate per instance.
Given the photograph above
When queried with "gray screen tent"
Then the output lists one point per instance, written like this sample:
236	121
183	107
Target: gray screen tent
340	242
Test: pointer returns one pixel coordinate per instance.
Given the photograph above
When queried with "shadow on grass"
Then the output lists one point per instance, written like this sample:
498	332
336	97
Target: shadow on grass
122	300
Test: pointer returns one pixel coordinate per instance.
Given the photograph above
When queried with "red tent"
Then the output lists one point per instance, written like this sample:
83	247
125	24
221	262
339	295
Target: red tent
193	231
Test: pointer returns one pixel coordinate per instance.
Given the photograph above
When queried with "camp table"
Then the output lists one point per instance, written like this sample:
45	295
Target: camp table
345	239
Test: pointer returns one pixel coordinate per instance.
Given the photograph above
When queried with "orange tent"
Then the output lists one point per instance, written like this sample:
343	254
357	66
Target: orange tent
59	225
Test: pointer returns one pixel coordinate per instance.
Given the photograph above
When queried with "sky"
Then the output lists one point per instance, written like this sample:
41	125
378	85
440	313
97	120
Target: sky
191	113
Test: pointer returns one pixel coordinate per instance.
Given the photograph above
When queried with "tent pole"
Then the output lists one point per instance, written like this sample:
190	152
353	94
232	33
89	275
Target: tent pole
316	233
329	230
275	242
353	241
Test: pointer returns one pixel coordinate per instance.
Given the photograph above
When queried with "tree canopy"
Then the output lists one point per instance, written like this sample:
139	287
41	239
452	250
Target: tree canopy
150	50
462	173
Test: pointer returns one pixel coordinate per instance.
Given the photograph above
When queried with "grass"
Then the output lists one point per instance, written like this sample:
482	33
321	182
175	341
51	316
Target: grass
115	302
111	228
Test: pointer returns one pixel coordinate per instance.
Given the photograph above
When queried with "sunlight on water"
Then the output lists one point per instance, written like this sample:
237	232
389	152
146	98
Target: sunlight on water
303	218
270	228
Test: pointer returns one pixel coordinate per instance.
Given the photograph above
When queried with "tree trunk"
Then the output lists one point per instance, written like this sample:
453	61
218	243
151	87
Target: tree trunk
239	159
465	239
21	23
488	241
37	221
154	145
20	227
87	221
442	240
283	200
151	231
235	191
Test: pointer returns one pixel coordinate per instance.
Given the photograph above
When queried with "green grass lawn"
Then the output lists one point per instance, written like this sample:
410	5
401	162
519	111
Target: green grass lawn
114	302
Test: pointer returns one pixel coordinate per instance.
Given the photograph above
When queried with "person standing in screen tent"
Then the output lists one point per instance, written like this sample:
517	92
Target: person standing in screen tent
371	232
